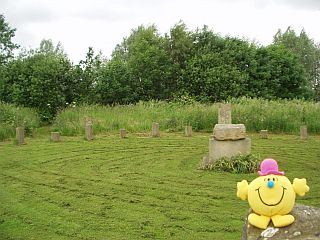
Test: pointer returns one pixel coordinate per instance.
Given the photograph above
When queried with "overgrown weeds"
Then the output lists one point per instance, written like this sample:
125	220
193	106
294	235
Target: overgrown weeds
236	164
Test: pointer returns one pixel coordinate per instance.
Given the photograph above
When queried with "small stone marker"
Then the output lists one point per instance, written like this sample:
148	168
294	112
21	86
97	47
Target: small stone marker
188	131
55	136
89	132
224	113
303	132
34	132
87	121
20	135
264	134
123	133
155	130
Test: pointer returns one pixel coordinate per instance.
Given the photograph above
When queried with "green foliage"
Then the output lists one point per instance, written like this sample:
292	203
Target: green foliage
134	188
147	66
41	80
6	44
281	116
307	52
85	79
12	117
236	164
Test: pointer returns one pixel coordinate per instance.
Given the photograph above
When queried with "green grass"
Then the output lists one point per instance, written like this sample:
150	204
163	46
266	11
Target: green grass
12	116
276	116
134	188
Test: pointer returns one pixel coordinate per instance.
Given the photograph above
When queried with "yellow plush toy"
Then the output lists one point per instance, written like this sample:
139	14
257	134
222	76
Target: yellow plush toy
271	196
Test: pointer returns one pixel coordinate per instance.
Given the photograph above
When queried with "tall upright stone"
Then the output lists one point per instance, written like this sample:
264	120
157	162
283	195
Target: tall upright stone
304	132
87	120
224	113
155	129
228	139
188	131
55	136
123	133
20	135
89	132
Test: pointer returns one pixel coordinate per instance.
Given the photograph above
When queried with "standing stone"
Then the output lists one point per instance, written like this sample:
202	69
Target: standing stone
123	133
89	132
87	121
20	135
303	132
188	131
155	130
264	134
55	136
34	132
224	114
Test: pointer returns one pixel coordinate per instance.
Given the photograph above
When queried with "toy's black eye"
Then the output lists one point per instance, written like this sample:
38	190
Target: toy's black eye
273	179
268	179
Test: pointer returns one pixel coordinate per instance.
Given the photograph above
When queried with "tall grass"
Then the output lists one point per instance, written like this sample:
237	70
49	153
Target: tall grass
276	116
12	117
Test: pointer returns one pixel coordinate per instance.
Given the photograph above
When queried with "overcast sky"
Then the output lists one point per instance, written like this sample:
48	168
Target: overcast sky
78	24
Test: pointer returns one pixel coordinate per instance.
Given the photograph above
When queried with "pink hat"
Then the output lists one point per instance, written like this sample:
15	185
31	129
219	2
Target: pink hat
269	166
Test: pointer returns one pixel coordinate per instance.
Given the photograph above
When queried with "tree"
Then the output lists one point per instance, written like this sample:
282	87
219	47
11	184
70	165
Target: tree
143	57
179	46
39	80
6	44
307	51
86	76
279	74
219	67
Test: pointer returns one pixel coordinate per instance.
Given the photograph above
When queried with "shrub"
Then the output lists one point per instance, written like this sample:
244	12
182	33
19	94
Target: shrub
237	164
12	117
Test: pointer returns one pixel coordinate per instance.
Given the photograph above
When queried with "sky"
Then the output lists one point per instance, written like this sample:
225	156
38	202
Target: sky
102	24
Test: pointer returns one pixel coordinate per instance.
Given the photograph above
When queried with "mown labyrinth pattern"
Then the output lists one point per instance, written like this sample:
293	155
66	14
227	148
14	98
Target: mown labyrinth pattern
134	188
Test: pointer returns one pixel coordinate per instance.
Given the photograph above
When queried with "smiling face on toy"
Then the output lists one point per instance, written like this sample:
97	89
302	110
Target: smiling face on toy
271	195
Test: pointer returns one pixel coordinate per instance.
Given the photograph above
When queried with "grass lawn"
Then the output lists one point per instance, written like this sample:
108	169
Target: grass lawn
134	188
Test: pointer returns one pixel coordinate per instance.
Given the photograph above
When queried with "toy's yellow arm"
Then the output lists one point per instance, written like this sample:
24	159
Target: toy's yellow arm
242	189
300	186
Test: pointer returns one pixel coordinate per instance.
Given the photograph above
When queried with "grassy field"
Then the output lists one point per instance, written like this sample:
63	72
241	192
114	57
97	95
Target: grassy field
134	188
280	116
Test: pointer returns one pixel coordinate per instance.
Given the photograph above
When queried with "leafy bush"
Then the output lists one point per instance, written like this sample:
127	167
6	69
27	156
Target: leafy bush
12	117
237	164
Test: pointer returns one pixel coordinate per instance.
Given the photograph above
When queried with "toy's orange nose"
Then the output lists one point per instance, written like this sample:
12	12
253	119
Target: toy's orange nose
270	184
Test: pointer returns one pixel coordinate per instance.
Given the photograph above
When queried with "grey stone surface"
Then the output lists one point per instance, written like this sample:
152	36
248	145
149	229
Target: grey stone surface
305	227
89	132
264	134
188	131
20	135
55	136
228	148
229	132
155	129
224	113
303	132
123	133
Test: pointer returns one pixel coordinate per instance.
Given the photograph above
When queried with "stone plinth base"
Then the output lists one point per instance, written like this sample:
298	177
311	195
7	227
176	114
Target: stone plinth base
228	148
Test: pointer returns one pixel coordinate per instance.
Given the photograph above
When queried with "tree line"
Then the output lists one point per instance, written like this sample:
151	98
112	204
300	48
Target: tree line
146	65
